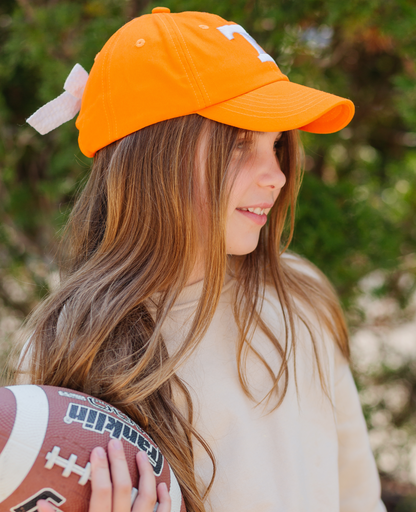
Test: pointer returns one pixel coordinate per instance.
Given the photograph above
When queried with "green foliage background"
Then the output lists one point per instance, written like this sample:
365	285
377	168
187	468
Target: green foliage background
358	200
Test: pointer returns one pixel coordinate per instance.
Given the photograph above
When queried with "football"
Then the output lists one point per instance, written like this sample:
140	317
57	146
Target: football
46	436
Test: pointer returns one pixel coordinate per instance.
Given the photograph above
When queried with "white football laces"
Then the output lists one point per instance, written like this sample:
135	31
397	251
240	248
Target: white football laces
70	466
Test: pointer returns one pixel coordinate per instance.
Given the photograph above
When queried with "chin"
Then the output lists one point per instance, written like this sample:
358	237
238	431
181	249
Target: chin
243	247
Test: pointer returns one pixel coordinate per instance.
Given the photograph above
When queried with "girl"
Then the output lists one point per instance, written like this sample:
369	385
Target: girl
179	302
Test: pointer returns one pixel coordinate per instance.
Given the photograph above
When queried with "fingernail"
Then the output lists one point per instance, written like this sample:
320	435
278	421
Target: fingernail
116	444
100	452
41	503
143	456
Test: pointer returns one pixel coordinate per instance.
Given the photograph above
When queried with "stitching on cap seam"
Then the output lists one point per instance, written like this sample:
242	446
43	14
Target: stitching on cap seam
275	108
173	42
109	85
192	62
300	109
255	111
234	102
275	111
246	92
254	101
259	96
315	91
221	106
255	93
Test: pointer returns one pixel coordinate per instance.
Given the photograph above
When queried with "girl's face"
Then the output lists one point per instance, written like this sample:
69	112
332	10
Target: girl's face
256	187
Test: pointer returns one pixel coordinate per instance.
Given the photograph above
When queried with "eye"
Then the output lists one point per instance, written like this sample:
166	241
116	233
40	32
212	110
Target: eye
242	144
278	144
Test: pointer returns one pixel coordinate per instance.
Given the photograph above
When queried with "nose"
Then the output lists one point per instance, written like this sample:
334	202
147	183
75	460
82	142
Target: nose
271	175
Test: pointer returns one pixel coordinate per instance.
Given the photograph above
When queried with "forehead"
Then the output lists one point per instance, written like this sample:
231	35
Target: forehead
265	133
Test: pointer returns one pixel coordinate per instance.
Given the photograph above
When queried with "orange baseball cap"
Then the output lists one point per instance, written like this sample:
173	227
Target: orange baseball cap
162	65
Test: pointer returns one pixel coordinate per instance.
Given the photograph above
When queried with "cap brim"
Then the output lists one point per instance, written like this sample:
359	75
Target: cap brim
282	106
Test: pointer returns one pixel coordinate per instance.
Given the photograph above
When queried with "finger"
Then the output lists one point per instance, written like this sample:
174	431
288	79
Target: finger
120	476
163	498
100	482
44	506
146	498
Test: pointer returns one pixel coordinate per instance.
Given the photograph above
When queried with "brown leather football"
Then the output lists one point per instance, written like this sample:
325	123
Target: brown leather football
46	437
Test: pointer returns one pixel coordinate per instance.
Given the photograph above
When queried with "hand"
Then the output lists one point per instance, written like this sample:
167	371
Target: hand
116	496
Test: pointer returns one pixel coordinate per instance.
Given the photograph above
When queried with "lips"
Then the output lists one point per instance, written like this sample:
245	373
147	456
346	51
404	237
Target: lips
259	219
258	211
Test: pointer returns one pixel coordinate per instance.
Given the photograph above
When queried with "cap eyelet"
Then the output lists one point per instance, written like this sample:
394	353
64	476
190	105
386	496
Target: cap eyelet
203	26
140	42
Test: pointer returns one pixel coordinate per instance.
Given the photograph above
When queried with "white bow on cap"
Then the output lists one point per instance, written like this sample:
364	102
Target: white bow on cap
64	107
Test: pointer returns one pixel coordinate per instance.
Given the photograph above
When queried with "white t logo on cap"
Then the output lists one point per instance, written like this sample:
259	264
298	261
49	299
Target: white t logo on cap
229	30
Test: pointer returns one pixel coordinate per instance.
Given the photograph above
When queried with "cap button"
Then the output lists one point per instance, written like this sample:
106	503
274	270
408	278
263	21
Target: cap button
158	10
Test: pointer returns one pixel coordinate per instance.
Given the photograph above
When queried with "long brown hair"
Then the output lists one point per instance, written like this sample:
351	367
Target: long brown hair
132	234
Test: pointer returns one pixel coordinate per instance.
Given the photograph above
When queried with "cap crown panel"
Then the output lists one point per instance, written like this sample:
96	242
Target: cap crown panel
226	68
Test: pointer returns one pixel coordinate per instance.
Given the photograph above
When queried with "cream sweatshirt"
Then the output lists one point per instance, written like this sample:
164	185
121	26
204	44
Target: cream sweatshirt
301	457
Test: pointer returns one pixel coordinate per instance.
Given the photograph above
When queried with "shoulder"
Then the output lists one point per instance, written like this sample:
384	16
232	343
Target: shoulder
294	262
304	288
317	301
305	281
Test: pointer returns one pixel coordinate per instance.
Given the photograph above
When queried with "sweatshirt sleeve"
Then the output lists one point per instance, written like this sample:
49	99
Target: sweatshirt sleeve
359	482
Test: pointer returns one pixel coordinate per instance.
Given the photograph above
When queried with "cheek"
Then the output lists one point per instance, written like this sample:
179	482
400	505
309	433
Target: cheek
239	191
241	238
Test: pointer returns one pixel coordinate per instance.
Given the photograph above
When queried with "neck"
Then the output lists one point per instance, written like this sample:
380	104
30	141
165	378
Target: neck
197	273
